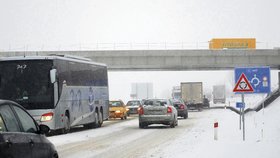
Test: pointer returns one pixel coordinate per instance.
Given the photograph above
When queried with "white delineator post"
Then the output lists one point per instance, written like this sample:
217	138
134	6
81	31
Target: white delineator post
216	125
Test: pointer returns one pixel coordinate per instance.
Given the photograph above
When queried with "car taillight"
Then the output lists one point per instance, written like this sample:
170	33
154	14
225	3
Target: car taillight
140	111
47	117
182	106
169	109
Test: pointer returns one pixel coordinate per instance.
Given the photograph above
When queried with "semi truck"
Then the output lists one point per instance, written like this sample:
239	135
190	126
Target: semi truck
141	90
219	94
192	94
176	92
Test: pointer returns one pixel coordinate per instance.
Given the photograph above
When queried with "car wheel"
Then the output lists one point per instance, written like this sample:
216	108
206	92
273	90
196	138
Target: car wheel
172	125
142	125
125	117
185	116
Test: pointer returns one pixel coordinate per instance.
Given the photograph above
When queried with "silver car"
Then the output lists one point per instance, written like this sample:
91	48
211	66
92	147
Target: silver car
157	111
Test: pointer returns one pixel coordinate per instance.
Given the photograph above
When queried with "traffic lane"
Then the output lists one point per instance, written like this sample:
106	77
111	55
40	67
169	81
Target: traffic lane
129	141
77	132
106	123
98	143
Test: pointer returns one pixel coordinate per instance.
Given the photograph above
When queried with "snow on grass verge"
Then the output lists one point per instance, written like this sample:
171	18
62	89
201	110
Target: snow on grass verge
262	138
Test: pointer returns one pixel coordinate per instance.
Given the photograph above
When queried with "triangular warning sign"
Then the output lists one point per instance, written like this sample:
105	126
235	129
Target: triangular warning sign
243	85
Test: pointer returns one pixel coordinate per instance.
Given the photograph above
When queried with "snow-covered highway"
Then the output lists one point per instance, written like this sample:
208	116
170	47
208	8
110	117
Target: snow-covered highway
118	138
194	137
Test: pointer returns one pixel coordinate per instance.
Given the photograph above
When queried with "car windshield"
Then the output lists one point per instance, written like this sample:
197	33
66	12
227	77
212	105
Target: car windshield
115	103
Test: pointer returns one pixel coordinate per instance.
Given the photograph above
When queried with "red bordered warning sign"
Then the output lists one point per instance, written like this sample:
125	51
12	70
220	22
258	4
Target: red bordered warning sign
243	85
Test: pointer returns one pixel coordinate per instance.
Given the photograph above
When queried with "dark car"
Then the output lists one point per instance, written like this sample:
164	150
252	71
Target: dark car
21	136
133	106
181	107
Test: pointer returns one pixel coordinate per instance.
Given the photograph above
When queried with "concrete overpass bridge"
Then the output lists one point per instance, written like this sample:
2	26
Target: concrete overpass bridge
124	60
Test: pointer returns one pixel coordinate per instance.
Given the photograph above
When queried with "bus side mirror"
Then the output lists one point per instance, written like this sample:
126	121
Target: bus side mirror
53	75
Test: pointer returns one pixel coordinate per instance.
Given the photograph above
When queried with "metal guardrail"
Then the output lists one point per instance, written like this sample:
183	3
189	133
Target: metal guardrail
267	101
227	107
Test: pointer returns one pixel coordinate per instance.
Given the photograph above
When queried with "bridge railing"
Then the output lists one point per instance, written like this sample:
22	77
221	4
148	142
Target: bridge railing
125	46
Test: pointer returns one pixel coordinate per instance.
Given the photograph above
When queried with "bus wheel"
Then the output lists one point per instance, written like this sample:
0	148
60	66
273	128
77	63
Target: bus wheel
96	119
66	128
100	121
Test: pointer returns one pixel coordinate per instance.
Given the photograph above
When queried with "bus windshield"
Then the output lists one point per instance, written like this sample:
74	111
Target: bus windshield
27	82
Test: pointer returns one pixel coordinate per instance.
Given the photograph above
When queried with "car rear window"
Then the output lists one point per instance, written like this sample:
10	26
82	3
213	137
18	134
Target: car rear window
133	103
155	102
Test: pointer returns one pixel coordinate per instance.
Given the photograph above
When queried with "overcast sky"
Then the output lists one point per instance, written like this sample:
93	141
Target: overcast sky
41	24
68	22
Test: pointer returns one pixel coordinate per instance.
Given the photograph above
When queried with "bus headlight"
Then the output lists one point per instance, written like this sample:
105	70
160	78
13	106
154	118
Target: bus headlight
47	117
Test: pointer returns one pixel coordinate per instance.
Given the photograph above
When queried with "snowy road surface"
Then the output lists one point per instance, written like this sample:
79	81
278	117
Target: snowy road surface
194	138
118	138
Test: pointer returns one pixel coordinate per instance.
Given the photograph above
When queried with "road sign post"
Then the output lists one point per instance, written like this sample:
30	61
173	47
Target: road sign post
243	117
216	125
240	105
240	118
248	81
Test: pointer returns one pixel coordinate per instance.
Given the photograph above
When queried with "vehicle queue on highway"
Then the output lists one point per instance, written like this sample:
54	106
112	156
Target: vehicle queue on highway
62	106
14	124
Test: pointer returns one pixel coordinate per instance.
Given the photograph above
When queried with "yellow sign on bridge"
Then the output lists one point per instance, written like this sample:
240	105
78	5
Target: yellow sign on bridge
232	43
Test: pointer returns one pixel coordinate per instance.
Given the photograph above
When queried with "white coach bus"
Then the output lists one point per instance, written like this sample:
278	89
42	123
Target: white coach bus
58	91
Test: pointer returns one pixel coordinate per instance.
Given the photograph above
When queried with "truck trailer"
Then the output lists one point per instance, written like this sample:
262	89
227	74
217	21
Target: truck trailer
192	94
219	94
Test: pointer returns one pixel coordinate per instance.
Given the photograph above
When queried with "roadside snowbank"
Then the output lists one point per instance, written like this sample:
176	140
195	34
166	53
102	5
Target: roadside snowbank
262	138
